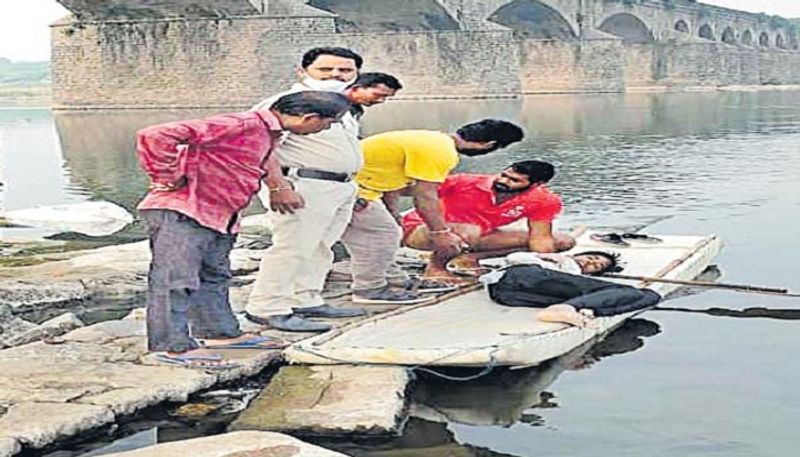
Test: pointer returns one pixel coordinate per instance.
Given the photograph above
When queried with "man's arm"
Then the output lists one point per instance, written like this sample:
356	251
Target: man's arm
162	151
426	201
392	202
540	237
282	196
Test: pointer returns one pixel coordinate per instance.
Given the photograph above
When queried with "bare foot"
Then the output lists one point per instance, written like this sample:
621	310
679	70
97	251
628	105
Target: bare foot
566	314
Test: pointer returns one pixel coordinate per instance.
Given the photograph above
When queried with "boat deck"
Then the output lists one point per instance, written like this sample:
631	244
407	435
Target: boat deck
471	330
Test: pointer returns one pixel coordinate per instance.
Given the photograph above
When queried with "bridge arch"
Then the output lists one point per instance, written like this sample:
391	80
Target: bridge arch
763	39
628	27
706	32
729	36
780	42
747	38
533	19
682	26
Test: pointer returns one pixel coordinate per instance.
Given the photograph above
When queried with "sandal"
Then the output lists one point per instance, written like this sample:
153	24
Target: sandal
428	286
642	238
256	342
609	238
196	361
388	296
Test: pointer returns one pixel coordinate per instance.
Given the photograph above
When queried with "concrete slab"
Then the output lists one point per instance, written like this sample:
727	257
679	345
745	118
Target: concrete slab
330	400
39	424
239	444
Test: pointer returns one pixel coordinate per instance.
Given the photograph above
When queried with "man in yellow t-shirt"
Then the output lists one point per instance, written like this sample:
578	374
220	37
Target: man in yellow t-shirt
409	163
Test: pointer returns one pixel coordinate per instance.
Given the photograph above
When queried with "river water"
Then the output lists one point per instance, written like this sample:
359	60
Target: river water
710	374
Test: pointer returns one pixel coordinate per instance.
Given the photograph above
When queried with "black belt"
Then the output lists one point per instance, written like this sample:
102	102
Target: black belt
318	174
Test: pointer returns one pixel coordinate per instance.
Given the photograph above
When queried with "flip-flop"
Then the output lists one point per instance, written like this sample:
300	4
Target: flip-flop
609	238
195	361
256	342
642	238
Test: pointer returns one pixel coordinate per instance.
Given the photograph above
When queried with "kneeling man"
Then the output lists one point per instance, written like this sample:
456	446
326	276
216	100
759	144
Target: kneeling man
476	206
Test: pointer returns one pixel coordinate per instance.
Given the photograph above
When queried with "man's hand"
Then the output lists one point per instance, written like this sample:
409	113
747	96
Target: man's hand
360	205
284	199
446	245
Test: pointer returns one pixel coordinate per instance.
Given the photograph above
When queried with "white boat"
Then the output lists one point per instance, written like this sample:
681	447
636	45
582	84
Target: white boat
471	330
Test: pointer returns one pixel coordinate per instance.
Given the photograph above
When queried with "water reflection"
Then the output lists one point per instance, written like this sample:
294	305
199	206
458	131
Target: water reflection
502	399
624	160
747	313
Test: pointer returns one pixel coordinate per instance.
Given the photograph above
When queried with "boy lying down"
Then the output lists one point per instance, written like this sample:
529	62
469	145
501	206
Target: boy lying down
561	284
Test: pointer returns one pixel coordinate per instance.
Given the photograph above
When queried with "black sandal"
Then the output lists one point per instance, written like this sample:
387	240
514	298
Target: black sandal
642	237
610	238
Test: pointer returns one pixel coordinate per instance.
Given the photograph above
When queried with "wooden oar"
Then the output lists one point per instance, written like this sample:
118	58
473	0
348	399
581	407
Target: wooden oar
718	285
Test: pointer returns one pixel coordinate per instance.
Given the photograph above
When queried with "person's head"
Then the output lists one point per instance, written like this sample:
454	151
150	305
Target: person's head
485	136
330	64
595	263
309	112
521	176
373	88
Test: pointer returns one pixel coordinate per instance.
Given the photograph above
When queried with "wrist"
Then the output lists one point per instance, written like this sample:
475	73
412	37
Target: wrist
440	231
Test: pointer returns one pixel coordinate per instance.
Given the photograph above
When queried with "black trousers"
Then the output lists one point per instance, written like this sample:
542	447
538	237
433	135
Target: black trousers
537	287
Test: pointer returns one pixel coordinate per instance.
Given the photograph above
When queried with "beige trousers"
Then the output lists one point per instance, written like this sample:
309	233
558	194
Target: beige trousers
372	239
293	270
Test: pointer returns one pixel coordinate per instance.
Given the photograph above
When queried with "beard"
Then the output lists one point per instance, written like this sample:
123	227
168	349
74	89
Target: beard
501	188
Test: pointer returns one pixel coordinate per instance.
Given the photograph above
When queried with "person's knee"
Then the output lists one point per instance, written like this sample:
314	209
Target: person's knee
471	234
563	242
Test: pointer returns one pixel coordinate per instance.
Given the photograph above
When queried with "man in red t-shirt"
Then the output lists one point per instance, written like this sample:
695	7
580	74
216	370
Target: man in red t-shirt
476	206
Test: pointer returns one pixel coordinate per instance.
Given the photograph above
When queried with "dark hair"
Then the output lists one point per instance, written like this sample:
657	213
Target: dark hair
502	132
310	56
613	264
535	170
374	78
326	104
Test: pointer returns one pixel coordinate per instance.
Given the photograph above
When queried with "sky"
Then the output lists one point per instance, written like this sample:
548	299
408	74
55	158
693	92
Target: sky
25	35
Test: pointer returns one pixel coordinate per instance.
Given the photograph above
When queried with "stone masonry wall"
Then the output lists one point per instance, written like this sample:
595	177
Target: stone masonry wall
430	64
236	62
168	63
551	66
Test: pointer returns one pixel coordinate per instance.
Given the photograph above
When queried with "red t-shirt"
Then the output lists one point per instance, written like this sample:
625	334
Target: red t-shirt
470	199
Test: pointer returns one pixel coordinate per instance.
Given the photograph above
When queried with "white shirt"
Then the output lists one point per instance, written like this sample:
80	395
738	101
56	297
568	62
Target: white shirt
336	150
557	262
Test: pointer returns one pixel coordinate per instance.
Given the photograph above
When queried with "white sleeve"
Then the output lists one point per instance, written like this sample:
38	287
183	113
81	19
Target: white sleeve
268	102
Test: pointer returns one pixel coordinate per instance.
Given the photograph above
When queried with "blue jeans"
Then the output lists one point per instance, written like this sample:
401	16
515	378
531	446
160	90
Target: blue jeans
187	295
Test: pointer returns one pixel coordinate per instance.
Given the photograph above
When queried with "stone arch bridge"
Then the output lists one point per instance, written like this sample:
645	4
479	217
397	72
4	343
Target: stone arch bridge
121	53
635	21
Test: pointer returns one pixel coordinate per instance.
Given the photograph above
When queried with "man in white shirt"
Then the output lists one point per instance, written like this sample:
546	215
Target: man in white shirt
311	194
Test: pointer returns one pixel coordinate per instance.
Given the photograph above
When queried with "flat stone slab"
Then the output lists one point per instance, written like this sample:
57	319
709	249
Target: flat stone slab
39	424
330	400
239	444
56	391
9	447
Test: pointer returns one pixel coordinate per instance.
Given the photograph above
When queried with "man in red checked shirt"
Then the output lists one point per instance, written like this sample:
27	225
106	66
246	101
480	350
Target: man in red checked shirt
476	206
203	173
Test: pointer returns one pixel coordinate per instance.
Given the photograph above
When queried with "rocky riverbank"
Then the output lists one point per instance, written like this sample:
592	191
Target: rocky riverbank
61	378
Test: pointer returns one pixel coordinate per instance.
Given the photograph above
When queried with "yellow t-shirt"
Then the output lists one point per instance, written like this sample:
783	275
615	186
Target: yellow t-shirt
393	160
